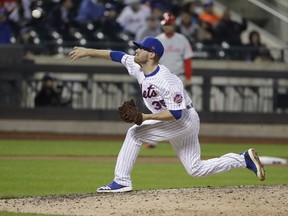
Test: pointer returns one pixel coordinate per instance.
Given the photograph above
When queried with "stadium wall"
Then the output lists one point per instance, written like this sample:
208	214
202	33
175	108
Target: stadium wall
120	128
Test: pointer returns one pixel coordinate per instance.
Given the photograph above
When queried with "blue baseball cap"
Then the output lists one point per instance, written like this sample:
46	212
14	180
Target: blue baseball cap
151	44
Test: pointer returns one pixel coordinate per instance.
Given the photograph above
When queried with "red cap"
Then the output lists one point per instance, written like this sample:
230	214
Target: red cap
168	19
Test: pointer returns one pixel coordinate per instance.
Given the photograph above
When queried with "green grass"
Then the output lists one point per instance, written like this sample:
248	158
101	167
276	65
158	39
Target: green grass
37	177
111	148
42	177
68	148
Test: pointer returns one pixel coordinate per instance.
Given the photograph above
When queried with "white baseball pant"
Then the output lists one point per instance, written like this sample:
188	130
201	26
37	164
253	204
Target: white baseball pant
183	135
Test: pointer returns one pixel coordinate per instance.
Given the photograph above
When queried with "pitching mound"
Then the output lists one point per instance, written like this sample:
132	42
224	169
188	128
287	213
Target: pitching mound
244	200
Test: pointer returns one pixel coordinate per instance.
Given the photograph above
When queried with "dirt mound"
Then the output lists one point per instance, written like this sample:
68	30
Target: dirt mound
244	200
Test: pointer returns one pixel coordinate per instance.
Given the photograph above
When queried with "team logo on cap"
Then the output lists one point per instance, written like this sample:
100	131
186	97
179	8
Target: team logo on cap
178	98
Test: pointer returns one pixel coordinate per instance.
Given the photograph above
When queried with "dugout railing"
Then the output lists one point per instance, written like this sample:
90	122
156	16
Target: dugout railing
94	93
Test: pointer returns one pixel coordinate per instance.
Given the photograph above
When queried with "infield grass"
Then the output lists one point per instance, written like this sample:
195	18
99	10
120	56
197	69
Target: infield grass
45	176
111	148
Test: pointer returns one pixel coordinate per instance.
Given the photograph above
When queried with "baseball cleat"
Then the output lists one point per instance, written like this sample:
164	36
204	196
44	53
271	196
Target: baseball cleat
254	164
114	188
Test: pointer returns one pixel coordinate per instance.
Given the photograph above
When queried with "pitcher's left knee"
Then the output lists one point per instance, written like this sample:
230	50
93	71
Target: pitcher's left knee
196	171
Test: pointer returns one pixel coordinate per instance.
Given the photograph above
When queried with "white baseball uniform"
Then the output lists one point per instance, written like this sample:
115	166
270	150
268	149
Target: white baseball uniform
132	21
163	90
177	49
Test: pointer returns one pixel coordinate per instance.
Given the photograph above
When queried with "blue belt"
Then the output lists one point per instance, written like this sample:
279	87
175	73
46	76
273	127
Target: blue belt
189	106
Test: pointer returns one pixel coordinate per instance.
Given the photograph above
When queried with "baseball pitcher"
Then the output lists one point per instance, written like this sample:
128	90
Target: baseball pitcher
173	118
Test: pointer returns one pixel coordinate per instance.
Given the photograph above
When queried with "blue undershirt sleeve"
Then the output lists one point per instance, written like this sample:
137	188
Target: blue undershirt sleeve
176	113
117	56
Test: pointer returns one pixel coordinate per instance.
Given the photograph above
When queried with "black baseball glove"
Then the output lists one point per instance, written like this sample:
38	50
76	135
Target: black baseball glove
130	113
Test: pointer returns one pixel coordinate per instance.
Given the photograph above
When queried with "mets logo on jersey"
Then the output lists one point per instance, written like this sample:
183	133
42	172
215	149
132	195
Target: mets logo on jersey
178	98
149	92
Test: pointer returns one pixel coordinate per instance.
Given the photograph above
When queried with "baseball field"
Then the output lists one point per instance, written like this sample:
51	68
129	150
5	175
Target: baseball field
59	177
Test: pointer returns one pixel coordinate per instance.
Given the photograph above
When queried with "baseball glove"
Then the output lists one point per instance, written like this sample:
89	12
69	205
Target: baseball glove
130	113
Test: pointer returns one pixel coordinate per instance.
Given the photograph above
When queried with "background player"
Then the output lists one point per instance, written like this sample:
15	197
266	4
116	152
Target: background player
178	53
173	118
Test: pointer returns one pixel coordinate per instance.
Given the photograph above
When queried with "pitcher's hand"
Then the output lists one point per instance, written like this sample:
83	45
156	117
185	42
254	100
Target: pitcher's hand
78	52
